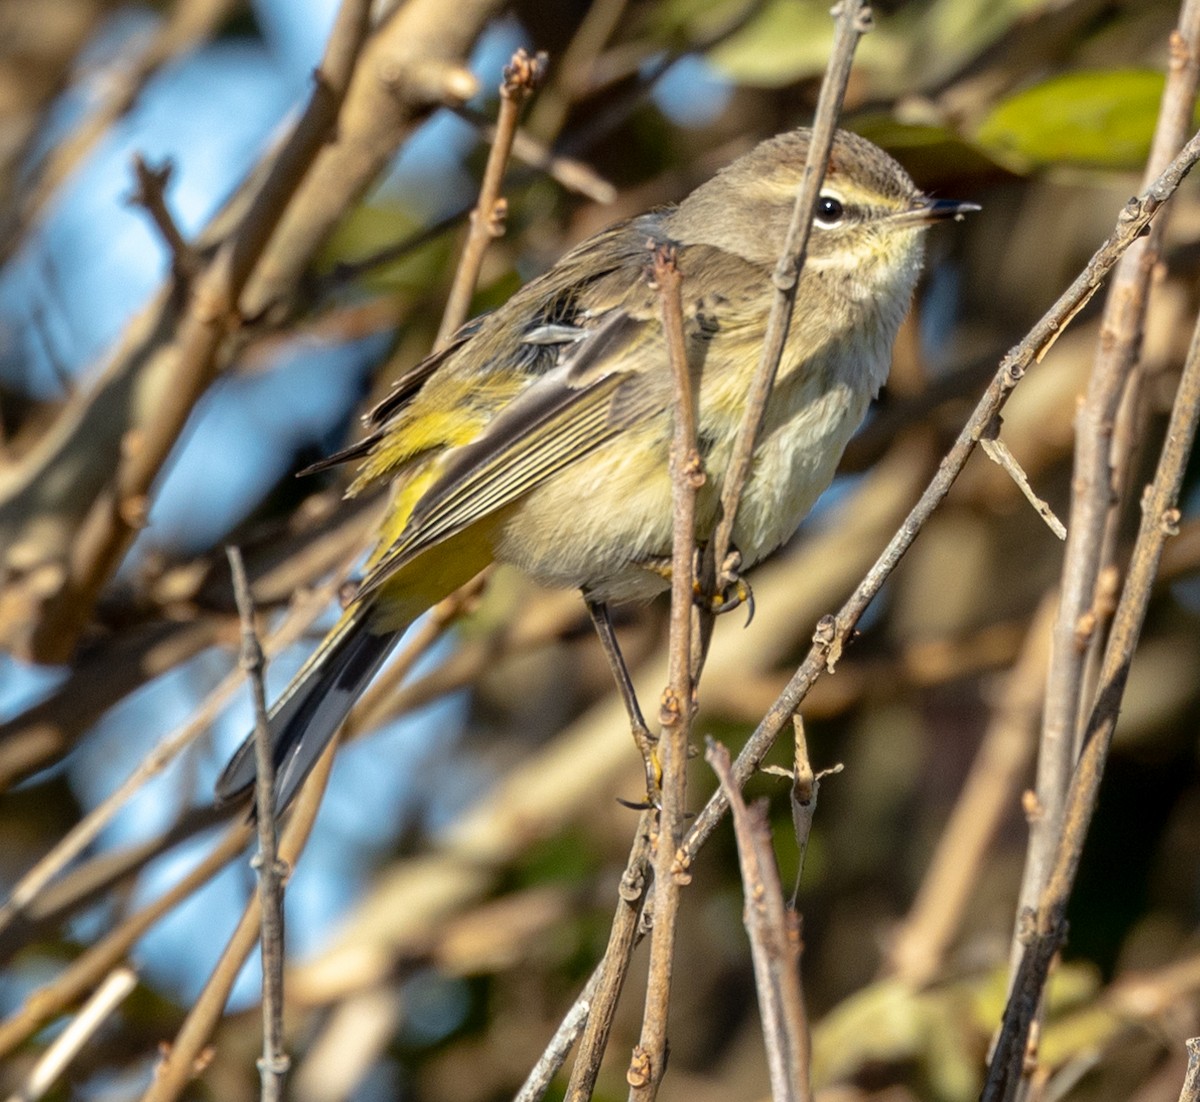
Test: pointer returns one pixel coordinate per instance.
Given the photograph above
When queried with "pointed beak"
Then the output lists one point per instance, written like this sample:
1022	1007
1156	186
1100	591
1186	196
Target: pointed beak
926	210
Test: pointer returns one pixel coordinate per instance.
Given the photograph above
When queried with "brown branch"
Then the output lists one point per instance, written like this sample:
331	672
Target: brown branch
834	631
190	24
410	66
1160	517
774	930
997	451
521	77
99	877
1092	500
272	873
150	195
677	705
599	997
537	1082
79	837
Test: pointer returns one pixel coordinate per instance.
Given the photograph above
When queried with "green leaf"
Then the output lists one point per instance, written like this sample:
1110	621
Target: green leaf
1092	119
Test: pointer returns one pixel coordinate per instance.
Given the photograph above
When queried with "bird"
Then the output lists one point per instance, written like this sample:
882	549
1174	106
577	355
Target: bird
539	435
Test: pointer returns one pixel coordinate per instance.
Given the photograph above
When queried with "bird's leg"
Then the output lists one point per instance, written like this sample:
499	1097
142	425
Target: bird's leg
731	590
647	744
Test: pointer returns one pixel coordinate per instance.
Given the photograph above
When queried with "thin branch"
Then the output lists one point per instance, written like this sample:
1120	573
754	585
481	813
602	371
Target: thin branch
272	873
774	930
176	1070
189	24
150	194
537	1083
68	1044
678	704
608	979
80	836
521	77
834	631
997	451
1160	518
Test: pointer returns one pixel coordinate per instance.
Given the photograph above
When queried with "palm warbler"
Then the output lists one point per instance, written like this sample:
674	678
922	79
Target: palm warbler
540	436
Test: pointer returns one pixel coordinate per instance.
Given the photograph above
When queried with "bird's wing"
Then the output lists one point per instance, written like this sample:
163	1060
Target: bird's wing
599	389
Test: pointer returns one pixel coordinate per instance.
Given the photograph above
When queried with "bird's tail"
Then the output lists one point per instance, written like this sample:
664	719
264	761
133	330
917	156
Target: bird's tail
306	717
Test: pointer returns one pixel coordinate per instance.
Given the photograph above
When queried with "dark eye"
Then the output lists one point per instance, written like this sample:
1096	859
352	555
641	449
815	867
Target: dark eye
829	210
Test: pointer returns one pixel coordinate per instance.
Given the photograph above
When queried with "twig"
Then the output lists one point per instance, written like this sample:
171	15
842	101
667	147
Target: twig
150	195
853	20
677	704
834	631
272	873
997	451
1190	1091
177	1067
774	942
1092	479
67	1045
521	76
1160	516
608	978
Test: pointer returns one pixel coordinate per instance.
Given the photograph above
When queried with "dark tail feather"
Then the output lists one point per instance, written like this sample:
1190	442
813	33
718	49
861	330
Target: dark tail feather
312	707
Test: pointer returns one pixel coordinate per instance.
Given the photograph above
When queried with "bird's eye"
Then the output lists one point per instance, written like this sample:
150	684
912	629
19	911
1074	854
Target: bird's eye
829	210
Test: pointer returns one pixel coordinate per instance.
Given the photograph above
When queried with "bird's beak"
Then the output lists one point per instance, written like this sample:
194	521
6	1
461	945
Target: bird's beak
926	210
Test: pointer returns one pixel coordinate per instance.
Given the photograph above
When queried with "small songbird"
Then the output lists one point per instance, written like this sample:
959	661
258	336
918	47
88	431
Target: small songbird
540	435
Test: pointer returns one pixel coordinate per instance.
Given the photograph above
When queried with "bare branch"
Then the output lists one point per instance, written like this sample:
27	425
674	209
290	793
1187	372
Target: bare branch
1092	480
521	77
853	20
678	704
272	873
150	195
